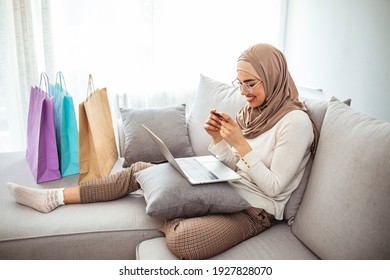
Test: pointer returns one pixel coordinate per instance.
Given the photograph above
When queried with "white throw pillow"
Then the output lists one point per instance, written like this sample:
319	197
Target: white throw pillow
210	94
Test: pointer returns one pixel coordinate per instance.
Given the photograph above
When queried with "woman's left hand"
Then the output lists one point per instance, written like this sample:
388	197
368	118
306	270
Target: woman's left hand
232	134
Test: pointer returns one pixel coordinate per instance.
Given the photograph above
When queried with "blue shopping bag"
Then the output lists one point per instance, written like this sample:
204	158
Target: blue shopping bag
67	135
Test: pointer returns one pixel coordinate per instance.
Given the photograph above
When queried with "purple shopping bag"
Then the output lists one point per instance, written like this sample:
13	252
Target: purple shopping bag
41	150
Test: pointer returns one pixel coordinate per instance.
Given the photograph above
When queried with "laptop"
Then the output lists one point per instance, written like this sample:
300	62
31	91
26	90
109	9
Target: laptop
197	170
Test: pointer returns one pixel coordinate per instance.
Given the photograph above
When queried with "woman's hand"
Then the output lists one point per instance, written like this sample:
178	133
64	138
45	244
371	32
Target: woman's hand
212	126
232	134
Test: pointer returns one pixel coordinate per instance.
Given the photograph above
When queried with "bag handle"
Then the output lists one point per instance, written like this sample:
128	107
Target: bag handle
44	77
60	80
91	86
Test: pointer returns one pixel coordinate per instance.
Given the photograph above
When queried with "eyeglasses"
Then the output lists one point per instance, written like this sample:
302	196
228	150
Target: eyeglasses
247	88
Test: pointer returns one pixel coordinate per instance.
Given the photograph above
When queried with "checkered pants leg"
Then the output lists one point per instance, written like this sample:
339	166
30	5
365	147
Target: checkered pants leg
113	186
208	236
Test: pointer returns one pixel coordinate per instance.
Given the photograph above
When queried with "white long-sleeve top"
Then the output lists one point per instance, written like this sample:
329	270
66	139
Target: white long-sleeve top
275	166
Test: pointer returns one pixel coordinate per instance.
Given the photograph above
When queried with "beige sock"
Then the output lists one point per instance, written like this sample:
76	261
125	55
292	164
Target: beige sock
38	199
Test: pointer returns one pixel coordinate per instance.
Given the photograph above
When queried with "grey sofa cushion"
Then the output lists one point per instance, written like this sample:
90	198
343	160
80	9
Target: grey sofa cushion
316	110
345	209
210	94
168	123
169	195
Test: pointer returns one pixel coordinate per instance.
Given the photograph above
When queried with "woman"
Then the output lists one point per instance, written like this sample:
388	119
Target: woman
269	145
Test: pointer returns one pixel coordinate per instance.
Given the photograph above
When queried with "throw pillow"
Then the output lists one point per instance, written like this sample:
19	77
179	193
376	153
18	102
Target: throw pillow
316	110
169	195
210	94
168	123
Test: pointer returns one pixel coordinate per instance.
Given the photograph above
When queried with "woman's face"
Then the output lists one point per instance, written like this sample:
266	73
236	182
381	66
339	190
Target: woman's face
257	97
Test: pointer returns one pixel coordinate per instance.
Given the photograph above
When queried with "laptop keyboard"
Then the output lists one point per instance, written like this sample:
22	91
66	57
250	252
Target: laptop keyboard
195	169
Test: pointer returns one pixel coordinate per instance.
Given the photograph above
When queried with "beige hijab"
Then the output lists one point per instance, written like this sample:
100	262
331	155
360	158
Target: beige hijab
269	65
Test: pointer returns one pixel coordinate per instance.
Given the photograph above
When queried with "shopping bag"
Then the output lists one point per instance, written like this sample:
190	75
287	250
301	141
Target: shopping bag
97	145
41	152
67	135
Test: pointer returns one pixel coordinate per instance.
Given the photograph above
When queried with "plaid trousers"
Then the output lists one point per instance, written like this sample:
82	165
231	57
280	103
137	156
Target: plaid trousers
207	236
113	186
108	188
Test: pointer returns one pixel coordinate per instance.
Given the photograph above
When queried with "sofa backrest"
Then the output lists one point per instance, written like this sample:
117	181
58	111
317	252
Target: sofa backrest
346	206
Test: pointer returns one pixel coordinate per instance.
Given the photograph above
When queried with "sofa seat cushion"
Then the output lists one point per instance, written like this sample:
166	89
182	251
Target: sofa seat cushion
107	230
345	209
276	243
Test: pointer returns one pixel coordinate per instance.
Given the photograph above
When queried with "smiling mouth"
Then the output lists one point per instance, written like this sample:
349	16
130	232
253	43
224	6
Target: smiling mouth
250	98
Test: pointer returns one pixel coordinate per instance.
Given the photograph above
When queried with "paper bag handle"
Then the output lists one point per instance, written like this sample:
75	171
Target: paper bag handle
46	79
60	79
91	86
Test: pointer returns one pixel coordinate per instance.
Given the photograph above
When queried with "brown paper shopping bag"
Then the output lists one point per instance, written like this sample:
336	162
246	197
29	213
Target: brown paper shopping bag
97	145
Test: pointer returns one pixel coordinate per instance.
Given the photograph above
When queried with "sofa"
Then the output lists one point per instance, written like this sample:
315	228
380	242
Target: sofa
340	210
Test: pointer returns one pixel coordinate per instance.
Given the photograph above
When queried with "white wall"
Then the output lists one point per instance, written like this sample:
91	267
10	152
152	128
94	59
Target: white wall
343	47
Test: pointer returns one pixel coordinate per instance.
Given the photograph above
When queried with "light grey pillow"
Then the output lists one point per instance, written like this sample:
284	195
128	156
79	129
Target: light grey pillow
168	123
169	195
345	210
316	109
210	94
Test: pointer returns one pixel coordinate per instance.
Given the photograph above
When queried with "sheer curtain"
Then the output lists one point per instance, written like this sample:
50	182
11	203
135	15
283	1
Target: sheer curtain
146	52
22	57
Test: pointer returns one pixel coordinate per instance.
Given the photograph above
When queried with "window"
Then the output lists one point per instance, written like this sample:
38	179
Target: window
146	52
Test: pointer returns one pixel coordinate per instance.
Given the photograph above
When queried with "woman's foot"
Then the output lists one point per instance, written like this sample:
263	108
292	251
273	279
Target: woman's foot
44	201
